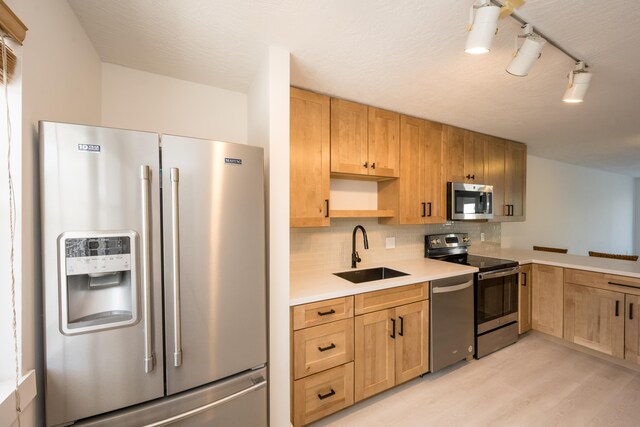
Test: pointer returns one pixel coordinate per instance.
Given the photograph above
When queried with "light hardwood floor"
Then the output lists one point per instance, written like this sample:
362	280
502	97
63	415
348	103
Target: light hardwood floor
535	382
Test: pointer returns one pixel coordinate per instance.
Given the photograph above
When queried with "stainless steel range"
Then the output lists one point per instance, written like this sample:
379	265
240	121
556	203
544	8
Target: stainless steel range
496	290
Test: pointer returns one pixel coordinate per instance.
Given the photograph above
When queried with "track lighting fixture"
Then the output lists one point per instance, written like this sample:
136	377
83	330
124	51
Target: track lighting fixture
526	55
482	27
579	80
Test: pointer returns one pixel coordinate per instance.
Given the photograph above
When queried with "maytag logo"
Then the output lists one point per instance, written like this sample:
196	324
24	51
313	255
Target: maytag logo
93	148
232	161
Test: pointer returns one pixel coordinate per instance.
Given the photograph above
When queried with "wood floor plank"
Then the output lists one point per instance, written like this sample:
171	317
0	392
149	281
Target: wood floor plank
533	382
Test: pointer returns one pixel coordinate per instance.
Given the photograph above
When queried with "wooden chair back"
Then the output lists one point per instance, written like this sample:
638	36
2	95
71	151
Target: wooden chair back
547	249
614	256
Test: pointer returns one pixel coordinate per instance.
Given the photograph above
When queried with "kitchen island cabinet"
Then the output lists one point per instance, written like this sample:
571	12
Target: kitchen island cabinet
546	299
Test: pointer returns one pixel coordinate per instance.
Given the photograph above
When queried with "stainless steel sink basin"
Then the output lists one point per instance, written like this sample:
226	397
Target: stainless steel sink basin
370	274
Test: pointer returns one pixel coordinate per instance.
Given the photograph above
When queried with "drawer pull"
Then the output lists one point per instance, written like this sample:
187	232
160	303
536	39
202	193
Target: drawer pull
621	284
326	313
324	396
329	347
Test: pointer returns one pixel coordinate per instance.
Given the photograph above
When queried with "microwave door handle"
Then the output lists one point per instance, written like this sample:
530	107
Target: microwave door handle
146	269
175	235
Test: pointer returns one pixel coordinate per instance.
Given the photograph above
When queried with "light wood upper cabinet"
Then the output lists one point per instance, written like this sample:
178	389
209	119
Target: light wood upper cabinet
546	299
524	299
495	175
364	140
384	143
418	196
349	137
594	318
515	182
464	156
309	163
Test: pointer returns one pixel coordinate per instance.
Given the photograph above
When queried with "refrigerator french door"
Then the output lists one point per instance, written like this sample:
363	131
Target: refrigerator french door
193	347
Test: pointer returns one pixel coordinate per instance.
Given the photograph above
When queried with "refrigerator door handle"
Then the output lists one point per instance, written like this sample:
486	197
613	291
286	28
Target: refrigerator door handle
146	269
261	383
175	205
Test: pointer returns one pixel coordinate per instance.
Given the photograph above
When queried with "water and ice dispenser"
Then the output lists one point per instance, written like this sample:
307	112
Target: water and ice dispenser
98	281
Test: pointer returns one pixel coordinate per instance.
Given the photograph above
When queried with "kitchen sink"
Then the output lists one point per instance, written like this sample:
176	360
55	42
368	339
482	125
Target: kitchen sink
370	274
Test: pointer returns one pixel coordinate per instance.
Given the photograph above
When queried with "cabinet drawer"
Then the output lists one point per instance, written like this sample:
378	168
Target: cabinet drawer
387	298
322	347
587	278
321	312
319	395
629	285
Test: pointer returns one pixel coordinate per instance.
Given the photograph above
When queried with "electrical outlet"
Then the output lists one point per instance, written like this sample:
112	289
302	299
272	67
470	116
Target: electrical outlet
482	237
390	243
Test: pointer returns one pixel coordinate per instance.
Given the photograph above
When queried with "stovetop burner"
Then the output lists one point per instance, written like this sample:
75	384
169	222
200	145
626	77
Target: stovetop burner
453	248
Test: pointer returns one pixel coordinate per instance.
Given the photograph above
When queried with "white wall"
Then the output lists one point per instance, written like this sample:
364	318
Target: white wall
133	99
576	208
268	126
61	75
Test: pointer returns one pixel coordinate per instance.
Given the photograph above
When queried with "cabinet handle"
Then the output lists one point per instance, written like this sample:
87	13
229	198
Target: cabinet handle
393	329
429	204
401	333
366	164
329	347
524	279
424	209
324	396
630	311
617	308
326	208
511	210
471	176
326	313
373	165
626	286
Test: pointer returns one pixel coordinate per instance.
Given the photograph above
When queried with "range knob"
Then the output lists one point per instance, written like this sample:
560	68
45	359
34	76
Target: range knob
434	241
465	239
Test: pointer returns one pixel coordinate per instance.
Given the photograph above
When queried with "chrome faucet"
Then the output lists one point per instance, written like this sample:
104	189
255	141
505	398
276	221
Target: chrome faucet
355	258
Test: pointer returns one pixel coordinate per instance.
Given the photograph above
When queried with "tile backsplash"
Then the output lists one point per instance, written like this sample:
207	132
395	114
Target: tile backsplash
330	247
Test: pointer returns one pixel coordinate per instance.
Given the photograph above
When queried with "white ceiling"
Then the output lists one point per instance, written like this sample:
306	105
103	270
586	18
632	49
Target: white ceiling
407	56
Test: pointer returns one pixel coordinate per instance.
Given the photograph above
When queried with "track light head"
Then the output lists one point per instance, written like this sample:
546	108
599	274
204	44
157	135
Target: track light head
482	27
579	81
526	55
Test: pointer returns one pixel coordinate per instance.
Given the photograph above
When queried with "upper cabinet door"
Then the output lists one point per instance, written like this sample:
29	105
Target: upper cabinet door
384	143
495	176
412	202
474	153
515	179
434	183
454	153
349	137
309	163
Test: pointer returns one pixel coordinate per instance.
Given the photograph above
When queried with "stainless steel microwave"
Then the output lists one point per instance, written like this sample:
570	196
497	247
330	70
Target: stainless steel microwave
469	201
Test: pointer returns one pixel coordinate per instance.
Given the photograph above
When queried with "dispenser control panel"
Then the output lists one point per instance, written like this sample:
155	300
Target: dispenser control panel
95	255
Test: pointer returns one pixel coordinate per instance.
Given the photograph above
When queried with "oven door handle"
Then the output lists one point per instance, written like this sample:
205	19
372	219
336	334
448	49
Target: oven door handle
454	288
499	273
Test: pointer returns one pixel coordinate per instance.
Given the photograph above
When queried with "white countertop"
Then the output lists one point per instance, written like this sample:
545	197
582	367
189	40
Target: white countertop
579	262
318	285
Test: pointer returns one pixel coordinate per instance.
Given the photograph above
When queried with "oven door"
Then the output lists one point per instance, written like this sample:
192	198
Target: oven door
496	299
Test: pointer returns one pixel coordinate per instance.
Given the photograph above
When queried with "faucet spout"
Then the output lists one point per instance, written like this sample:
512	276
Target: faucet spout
355	258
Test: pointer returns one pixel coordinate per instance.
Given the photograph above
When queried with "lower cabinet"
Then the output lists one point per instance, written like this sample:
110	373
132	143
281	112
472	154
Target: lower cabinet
338	359
546	299
601	313
524	299
391	347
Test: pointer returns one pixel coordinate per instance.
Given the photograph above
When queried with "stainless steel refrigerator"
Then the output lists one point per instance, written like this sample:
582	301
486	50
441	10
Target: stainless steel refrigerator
154	279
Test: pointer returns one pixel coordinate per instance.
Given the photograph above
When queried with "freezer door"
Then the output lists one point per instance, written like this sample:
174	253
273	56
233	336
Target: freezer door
102	328
237	401
214	260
